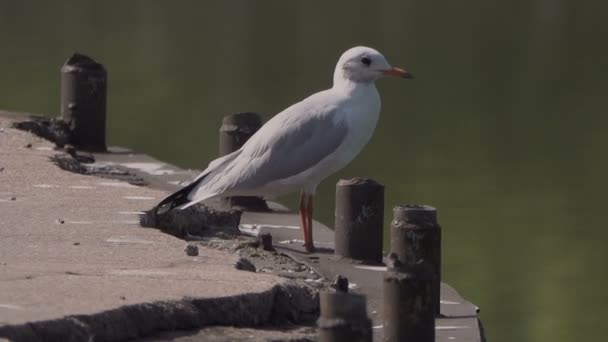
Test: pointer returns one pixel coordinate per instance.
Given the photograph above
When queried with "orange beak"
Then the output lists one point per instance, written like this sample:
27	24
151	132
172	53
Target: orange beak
398	72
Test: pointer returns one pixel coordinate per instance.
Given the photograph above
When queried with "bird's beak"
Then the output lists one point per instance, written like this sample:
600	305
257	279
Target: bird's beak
398	72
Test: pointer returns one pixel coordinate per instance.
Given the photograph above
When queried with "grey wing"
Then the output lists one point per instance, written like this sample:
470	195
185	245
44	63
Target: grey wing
293	149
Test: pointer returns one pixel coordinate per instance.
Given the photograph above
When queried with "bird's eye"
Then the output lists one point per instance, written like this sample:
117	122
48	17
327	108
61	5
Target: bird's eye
366	61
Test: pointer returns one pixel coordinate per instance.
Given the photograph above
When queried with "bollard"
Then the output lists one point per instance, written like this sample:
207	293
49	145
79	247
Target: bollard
408	312
340	283
359	219
343	318
83	102
265	241
416	238
236	129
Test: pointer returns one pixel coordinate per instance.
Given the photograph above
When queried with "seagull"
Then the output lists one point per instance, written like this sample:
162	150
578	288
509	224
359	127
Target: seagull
302	145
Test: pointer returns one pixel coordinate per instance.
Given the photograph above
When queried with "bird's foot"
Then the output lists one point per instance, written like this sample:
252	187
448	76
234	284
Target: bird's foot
310	248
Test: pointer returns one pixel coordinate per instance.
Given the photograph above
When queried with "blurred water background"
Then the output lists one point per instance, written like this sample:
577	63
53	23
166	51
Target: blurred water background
504	129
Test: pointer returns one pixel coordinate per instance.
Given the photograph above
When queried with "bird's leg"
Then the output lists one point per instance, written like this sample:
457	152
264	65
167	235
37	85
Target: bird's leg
309	207
303	217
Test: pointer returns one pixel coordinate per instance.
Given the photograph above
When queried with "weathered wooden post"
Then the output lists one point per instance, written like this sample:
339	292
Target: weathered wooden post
408	312
343	318
416	239
236	129
83	102
359	219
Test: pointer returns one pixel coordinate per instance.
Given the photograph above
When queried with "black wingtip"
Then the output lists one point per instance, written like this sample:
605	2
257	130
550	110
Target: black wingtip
177	198
172	201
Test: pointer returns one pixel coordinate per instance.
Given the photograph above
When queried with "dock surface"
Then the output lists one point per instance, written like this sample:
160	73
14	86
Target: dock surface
74	258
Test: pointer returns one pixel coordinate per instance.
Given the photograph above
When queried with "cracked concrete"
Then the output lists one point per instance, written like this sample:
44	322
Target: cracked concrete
75	263
459	321
227	334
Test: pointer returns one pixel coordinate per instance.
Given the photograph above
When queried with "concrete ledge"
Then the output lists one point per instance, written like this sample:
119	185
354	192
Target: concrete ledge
140	320
459	321
76	265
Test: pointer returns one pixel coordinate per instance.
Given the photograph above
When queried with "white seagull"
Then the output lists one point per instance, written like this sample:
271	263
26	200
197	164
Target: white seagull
302	145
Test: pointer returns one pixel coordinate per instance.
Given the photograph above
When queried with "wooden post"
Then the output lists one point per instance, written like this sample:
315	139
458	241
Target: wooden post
359	219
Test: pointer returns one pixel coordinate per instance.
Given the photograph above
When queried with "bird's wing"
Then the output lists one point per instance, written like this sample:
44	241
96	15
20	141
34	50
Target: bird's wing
182	196
295	149
292	142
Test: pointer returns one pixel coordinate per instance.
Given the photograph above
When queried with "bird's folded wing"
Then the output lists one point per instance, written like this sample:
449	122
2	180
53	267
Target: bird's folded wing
284	147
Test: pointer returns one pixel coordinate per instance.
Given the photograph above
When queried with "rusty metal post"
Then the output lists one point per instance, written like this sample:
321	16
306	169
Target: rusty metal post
359	219
408	312
340	283
343	318
265	241
236	129
83	102
416	238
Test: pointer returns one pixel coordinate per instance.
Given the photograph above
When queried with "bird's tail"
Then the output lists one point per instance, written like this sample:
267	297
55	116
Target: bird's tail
178	198
181	197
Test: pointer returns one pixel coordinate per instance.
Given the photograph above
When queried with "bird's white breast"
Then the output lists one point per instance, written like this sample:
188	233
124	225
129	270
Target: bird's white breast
360	110
361	113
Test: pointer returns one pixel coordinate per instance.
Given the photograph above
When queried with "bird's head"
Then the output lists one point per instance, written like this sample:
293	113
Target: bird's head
364	65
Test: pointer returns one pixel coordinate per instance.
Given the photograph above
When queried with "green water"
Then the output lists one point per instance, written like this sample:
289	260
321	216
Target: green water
504	129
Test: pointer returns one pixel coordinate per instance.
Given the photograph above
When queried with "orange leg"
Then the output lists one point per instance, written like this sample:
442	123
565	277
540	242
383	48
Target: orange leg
309	207
303	217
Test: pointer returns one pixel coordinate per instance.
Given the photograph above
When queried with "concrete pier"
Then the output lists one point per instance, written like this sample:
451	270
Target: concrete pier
75	261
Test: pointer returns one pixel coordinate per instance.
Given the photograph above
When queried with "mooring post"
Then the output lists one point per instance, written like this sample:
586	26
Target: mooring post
408	312
83	102
416	239
265	241
340	283
359	219
343	318
236	129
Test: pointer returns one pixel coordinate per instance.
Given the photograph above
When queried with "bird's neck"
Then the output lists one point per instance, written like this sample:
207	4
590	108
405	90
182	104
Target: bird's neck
350	87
